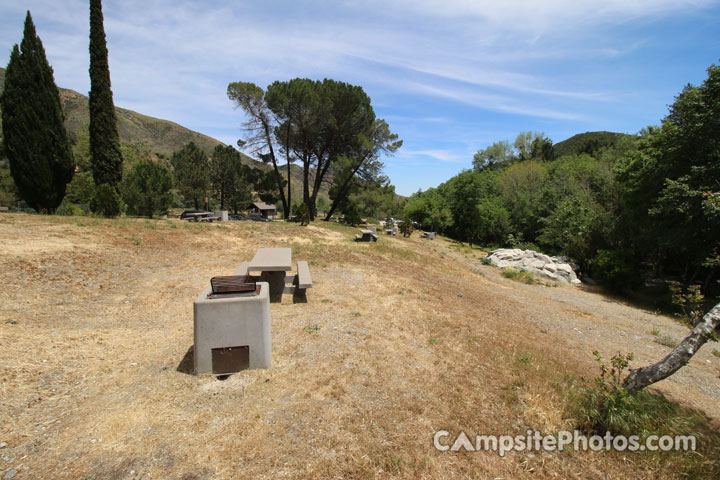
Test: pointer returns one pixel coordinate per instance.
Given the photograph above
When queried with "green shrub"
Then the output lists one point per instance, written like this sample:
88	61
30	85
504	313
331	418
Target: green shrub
690	302
302	212
614	270
406	227
67	208
81	188
352	215
604	406
312	329
106	201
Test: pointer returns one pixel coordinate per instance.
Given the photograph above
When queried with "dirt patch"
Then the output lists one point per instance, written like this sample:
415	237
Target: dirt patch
407	338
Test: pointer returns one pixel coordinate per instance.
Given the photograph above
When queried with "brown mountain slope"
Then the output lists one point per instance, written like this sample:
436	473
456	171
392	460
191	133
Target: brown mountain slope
161	136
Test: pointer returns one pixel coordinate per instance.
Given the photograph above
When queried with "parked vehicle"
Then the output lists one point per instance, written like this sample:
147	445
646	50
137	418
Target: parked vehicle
236	217
256	217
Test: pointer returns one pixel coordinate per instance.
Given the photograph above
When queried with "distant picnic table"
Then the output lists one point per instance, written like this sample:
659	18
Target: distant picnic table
200	217
367	236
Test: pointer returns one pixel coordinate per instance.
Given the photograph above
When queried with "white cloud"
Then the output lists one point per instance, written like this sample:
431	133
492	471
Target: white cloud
449	156
174	58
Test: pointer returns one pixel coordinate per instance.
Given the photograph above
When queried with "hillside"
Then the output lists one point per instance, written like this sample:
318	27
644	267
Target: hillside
588	142
161	136
398	339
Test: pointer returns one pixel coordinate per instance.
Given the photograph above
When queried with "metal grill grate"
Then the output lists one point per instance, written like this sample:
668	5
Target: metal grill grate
233	284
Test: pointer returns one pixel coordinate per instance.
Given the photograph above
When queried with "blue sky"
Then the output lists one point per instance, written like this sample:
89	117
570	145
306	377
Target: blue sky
450	77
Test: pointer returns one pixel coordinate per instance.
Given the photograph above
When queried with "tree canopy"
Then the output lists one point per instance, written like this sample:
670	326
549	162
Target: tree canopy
328	126
104	139
192	174
147	188
35	139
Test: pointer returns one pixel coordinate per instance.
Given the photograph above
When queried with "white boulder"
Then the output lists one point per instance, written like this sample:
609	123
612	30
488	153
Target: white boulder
559	268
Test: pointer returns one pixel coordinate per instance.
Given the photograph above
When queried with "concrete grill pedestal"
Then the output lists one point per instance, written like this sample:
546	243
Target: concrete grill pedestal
224	326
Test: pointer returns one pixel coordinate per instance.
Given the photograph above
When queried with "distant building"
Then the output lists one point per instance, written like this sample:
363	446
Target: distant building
263	209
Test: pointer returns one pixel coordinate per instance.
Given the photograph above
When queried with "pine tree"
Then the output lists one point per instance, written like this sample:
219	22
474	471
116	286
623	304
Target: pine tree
36	141
104	138
192	173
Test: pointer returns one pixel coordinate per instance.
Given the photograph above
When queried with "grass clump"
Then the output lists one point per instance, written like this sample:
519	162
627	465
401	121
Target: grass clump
524	359
311	329
603	405
519	275
716	352
666	340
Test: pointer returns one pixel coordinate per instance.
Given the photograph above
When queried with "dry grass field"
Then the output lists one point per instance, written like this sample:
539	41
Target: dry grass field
398	339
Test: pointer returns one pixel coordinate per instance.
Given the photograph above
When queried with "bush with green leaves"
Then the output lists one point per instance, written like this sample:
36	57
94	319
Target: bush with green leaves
352	215
81	188
302	212
106	201
690	302
147	188
406	227
603	405
67	208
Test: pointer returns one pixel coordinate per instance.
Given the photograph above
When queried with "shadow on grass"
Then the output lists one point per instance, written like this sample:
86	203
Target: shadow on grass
299	296
187	364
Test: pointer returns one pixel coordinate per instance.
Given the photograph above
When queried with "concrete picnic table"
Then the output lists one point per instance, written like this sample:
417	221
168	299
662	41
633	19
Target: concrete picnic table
271	260
367	236
272	263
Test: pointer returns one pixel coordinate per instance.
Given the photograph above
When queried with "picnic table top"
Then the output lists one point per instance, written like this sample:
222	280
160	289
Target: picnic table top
272	260
366	232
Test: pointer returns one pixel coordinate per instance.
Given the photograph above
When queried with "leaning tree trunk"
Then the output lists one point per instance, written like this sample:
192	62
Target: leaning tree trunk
640	378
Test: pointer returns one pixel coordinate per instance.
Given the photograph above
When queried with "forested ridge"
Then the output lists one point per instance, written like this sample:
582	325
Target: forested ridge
625	208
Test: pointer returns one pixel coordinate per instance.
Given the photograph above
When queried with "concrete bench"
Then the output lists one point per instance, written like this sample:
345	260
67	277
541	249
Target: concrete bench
303	276
242	269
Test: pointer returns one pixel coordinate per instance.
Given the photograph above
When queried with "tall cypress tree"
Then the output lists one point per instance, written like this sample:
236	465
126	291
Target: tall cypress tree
36	141
104	139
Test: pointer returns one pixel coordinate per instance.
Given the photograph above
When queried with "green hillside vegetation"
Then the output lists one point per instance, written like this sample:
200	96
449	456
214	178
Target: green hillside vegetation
625	208
590	143
141	135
